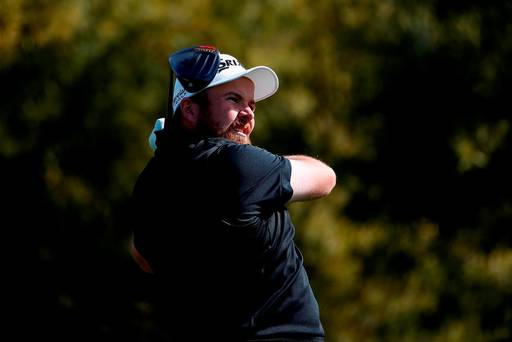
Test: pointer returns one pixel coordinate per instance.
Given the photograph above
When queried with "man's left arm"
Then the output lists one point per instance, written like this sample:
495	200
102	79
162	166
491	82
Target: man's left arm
310	178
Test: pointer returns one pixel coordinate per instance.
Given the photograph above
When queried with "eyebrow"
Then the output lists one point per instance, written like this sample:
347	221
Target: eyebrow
232	93
237	95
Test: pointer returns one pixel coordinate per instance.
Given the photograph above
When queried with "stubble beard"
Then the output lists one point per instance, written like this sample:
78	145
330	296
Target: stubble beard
206	129
236	137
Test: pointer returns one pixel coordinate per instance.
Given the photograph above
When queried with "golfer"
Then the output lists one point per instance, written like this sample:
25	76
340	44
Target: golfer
210	216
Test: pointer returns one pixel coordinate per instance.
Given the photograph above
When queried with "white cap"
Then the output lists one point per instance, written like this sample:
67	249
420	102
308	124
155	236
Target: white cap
265	80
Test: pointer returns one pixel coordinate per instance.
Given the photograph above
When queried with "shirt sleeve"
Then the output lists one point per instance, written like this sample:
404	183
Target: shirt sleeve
261	179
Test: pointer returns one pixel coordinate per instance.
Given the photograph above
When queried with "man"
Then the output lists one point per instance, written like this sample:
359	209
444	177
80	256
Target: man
210	217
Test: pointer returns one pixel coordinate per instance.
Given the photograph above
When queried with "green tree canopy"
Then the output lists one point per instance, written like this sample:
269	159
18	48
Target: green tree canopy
408	101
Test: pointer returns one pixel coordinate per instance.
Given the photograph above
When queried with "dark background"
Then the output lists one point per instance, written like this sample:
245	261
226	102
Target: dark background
409	101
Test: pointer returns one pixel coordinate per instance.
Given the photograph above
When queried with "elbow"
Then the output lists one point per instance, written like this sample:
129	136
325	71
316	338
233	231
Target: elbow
327	185
330	181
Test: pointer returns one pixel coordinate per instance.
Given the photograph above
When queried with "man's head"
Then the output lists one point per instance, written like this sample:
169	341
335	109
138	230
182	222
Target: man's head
224	107
265	80
225	110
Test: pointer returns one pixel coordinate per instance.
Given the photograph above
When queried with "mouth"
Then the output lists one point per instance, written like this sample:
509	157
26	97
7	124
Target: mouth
242	134
239	134
242	131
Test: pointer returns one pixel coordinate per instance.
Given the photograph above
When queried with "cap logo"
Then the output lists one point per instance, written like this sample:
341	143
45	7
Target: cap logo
226	63
265	80
179	96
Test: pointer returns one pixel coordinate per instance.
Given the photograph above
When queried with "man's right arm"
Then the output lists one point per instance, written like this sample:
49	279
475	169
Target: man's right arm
310	178
139	259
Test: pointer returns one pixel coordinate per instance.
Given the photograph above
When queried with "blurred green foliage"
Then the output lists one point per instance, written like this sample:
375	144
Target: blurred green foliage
408	100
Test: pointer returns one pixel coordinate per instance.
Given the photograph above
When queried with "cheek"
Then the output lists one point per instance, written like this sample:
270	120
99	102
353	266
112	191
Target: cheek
225	116
220	120
232	115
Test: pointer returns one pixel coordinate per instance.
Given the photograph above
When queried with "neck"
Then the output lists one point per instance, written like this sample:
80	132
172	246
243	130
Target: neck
175	133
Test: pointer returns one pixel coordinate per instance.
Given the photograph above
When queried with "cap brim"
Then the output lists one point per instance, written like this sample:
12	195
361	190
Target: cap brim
265	81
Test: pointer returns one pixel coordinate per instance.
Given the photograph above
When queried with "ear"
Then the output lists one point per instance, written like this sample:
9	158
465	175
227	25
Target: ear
189	112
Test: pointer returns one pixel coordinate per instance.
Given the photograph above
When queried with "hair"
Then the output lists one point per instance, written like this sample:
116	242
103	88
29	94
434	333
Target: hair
174	123
200	98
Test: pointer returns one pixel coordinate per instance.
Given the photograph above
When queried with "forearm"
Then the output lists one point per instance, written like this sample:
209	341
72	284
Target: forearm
139	259
310	178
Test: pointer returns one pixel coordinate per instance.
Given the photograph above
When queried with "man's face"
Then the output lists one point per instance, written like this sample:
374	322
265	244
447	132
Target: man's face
230	113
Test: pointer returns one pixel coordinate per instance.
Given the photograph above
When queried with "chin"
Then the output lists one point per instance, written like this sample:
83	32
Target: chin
238	138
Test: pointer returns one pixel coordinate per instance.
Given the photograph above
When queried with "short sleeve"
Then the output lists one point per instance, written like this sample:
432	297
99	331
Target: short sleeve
260	179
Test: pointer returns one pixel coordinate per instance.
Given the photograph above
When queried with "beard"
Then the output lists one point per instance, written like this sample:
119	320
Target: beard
236	136
206	129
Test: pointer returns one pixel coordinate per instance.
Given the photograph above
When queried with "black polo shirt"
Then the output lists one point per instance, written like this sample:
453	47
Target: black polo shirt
211	219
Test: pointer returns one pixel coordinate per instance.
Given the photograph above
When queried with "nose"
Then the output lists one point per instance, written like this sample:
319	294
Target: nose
246	114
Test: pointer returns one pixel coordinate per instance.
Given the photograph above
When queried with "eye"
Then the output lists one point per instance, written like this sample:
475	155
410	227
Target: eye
233	99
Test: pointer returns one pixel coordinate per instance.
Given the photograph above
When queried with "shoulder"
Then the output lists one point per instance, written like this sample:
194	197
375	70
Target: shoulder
252	162
254	156
244	152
